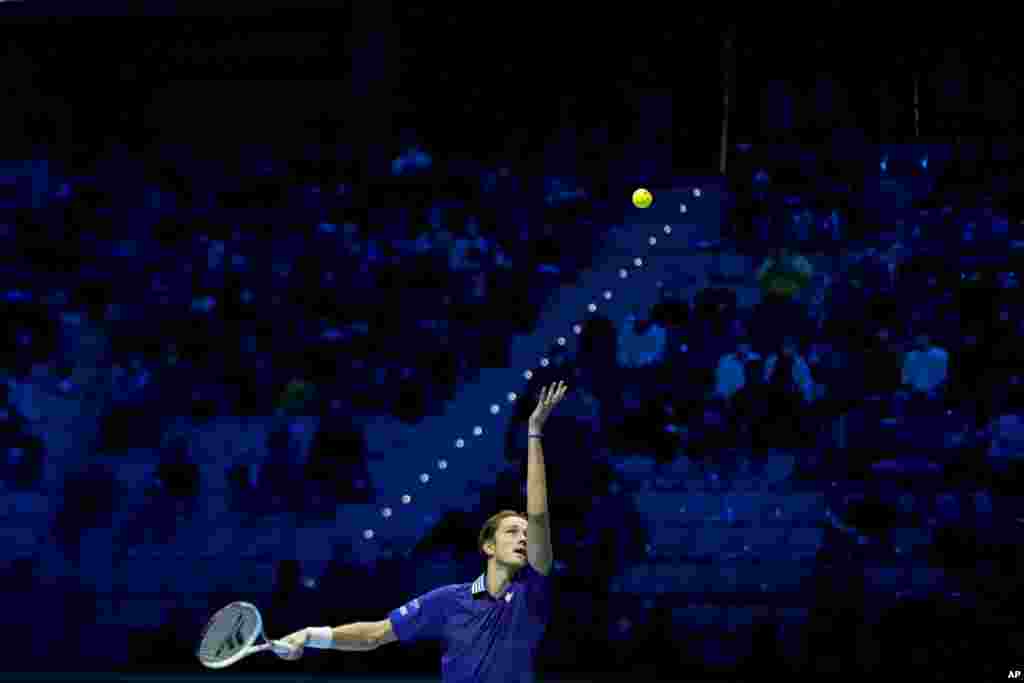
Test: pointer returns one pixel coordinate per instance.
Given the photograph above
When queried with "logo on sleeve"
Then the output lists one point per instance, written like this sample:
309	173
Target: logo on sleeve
411	607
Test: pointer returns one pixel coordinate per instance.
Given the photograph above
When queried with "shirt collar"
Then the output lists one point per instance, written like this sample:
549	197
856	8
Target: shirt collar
479	586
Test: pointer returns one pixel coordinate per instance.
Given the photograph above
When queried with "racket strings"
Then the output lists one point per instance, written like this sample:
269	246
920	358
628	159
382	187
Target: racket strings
226	633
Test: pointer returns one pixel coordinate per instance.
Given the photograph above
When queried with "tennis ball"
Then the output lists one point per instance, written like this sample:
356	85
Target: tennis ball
642	198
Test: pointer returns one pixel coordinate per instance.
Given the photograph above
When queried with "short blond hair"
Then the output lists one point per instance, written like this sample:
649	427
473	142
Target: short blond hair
490	529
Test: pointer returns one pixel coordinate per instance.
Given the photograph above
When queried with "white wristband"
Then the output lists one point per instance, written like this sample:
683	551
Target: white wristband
321	638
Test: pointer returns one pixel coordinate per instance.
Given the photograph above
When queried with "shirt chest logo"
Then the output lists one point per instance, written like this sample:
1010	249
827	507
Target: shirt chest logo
508	597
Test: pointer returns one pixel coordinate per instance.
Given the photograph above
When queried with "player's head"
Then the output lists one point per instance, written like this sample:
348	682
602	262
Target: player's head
503	539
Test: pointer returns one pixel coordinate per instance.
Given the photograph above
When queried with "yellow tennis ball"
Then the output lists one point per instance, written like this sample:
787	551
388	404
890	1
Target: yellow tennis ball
642	198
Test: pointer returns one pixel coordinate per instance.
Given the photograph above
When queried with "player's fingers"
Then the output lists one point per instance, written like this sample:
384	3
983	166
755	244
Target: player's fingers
282	649
290	646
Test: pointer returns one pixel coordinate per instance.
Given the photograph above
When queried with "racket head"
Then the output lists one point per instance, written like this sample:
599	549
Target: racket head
229	635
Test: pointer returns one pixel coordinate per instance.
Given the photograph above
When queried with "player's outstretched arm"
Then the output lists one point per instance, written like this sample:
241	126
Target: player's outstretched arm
538	539
360	636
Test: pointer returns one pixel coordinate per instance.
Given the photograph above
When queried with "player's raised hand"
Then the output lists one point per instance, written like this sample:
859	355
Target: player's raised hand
549	398
292	647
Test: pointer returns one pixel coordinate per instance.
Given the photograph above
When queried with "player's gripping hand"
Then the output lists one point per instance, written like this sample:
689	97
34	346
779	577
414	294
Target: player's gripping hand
292	647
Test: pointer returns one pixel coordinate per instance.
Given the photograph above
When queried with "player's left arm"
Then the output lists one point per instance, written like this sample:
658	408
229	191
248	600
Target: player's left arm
538	539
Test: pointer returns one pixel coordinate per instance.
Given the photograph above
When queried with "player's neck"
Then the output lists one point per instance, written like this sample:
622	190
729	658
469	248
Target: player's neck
498	578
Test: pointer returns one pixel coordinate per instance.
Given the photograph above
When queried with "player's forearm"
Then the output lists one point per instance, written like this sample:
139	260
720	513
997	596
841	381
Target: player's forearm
355	637
536	479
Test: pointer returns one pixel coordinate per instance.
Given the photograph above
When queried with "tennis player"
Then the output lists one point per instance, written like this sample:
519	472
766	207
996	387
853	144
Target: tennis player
490	628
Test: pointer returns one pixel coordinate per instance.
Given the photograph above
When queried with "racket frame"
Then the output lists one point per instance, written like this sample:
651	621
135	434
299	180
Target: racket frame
249	648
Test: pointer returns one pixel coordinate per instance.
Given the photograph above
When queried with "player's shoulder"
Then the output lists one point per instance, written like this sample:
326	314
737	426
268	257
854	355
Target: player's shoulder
433	600
449	591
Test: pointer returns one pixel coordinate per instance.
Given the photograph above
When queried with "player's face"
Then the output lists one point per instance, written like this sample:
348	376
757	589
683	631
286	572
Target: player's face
511	541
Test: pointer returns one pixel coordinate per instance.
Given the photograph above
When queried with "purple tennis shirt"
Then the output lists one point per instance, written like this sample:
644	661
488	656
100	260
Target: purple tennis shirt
484	639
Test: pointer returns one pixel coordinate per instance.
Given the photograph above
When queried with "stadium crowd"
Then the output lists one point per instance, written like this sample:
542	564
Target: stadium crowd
885	348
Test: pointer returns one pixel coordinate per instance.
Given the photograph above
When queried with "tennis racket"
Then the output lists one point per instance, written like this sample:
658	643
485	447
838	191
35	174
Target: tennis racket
231	635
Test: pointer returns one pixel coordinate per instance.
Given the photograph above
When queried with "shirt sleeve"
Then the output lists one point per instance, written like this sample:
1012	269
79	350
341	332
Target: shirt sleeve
538	592
422	618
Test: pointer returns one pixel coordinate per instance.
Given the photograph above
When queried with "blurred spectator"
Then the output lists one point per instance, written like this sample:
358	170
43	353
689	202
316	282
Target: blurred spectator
788	371
784	274
731	373
925	371
739	388
780	313
788	389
